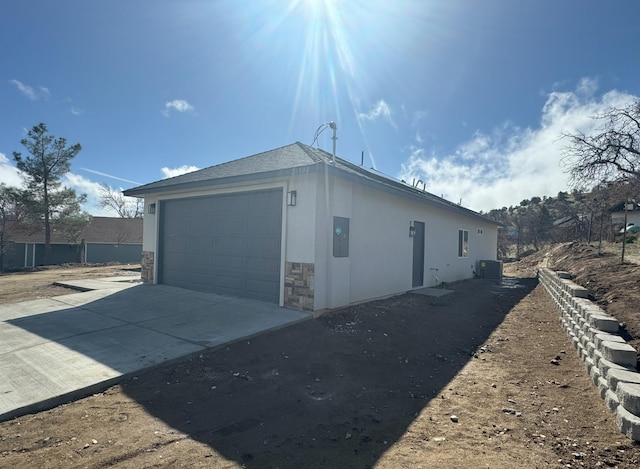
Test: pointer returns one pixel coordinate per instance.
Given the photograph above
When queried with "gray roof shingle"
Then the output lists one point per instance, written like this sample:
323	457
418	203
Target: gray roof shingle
279	162
279	159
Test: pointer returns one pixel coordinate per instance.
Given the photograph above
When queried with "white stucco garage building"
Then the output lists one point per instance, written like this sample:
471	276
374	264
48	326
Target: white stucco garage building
293	227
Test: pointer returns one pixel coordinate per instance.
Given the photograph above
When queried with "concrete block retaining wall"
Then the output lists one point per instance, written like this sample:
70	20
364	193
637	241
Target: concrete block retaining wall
610	361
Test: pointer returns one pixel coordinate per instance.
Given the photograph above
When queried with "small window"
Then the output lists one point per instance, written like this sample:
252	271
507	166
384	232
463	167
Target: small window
463	243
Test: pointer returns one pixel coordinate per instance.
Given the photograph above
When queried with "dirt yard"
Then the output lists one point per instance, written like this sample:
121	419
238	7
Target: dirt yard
461	380
38	282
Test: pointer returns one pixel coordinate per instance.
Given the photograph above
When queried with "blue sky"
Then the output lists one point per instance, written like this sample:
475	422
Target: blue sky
469	96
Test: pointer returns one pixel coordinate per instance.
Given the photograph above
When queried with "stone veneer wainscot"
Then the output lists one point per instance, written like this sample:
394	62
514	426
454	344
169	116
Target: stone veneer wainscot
299	286
146	266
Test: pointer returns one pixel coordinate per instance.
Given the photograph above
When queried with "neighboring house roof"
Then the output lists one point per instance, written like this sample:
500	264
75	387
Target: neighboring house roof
287	161
620	207
567	221
106	230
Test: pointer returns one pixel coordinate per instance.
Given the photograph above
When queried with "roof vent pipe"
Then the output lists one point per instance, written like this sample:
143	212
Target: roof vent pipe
321	129
334	138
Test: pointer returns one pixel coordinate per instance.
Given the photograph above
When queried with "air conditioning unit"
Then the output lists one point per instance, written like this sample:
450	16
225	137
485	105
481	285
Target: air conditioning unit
490	269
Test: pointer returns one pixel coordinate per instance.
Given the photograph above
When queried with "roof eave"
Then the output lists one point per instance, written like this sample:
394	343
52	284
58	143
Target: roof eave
142	191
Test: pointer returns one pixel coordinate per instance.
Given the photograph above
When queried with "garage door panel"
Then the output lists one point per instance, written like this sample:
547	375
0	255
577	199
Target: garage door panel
264	224
201	280
262	266
201	263
228	224
175	260
269	201
199	244
176	278
199	225
257	288
263	247
228	244
229	282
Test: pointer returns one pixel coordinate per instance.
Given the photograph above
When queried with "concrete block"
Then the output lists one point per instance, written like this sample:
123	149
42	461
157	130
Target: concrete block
576	290
629	397
605	366
628	423
582	351
622	354
611	401
604	322
582	304
588	364
597	356
615	377
595	375
574	340
582	324
603	386
564	275
602	336
591	309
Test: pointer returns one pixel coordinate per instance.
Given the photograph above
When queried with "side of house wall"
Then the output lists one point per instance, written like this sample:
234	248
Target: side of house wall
380	259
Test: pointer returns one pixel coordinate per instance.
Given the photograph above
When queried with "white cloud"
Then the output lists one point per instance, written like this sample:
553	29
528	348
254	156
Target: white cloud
380	110
30	92
76	111
83	185
512	164
9	174
173	172
179	105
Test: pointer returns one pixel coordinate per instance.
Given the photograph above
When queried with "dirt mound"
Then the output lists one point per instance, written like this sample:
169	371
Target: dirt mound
612	285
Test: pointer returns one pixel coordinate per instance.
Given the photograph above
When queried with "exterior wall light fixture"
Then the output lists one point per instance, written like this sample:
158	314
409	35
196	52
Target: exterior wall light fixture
152	209
412	230
291	198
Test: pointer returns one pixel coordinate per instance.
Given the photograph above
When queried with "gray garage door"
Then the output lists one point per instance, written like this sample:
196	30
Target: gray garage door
227	244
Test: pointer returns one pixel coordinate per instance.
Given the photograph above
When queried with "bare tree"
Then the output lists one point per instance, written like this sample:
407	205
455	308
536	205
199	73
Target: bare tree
612	153
125	207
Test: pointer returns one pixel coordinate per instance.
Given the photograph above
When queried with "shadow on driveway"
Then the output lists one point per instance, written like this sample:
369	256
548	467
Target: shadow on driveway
56	349
337	391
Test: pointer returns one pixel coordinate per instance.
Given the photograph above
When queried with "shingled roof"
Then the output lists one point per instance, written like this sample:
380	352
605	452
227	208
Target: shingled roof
280	162
261	165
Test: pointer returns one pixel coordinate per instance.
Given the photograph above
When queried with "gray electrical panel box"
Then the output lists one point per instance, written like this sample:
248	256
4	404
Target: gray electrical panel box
340	237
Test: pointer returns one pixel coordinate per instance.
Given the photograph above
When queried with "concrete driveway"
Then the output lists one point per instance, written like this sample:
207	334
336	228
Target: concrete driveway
58	349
